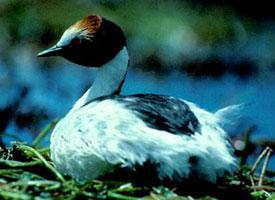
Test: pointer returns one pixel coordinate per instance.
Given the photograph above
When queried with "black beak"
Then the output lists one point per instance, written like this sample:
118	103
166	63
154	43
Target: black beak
53	51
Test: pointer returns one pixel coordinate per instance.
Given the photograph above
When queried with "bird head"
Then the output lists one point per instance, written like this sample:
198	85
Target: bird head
91	42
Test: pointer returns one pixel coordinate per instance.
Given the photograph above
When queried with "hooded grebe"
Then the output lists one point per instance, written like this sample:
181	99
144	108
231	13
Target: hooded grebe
104	131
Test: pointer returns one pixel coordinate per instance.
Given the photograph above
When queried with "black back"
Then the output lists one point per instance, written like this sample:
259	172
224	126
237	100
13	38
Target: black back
160	112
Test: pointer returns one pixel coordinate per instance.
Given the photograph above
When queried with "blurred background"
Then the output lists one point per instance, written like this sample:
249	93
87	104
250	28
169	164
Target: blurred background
213	53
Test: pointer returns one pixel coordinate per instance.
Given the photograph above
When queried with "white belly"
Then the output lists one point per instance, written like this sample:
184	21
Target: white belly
102	136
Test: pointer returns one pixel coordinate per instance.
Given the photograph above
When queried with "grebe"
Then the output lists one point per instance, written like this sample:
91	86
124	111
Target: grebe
105	131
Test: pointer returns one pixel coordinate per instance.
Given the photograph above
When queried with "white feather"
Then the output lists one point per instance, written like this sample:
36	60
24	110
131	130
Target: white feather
229	116
102	136
109	76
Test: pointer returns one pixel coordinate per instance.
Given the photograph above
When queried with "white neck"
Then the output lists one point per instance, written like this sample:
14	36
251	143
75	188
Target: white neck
108	80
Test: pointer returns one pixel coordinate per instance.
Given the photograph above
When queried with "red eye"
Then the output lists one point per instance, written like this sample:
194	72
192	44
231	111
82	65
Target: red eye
76	41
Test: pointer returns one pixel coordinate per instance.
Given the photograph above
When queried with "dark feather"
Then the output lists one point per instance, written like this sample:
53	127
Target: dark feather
160	112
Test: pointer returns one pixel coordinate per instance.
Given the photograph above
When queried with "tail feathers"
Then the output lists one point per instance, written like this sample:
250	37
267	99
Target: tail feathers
229	118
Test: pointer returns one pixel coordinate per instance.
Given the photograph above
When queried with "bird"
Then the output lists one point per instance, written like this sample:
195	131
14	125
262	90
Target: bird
104	131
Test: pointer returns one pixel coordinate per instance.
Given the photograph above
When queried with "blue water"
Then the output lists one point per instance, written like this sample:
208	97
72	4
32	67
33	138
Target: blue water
55	89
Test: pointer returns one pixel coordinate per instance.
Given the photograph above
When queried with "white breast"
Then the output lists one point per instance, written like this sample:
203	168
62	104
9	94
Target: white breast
104	135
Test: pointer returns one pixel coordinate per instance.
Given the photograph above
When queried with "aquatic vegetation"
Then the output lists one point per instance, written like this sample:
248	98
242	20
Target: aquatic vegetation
26	172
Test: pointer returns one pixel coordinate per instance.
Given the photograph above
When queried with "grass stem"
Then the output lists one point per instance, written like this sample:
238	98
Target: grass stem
43	160
43	133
